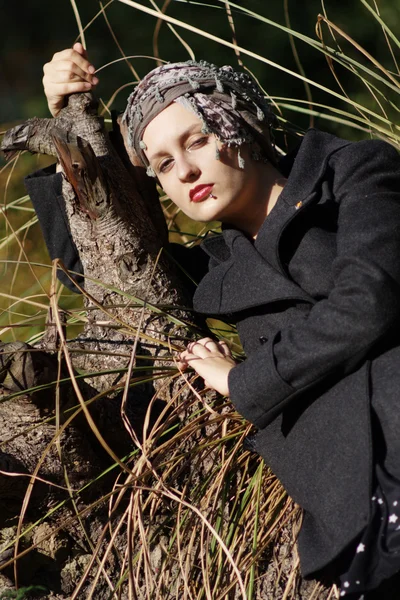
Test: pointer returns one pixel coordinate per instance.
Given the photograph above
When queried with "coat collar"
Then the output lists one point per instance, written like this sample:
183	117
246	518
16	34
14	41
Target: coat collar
310	157
250	274
306	165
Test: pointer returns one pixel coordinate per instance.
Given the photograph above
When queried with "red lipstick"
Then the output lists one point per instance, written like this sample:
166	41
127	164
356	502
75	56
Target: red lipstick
201	192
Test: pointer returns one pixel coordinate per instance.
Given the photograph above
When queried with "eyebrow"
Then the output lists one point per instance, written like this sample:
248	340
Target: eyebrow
181	137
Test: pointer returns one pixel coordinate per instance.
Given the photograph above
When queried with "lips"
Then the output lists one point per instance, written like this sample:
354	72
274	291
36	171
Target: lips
201	192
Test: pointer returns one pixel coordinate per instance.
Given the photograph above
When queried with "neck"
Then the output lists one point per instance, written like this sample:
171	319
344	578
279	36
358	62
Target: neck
269	185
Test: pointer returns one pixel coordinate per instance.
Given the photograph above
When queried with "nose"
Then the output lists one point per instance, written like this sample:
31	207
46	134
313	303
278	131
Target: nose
187	169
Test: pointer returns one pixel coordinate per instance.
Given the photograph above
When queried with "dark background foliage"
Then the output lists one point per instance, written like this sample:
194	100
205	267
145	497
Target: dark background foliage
32	32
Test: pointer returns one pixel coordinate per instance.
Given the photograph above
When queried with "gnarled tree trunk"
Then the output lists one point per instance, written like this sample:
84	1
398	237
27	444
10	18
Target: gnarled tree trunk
59	440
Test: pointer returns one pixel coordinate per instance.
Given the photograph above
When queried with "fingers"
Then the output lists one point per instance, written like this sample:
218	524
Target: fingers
188	359
69	71
225	349
207	358
183	360
80	59
78	47
185	356
207	346
64	71
60	90
204	347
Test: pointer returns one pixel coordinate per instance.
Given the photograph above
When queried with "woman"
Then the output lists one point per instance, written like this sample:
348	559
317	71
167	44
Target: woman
308	267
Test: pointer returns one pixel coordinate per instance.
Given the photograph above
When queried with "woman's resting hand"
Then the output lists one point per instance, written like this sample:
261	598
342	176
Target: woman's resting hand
69	71
212	361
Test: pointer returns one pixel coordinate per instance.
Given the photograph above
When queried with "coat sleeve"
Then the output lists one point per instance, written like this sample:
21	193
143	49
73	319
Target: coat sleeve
363	305
45	190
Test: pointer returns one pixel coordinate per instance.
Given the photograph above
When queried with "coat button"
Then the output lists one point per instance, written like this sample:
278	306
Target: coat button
263	339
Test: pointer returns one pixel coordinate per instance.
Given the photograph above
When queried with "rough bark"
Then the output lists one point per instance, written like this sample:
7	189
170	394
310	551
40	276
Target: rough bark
130	288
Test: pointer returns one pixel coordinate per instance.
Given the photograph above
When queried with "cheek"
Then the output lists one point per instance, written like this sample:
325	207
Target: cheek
228	155
173	189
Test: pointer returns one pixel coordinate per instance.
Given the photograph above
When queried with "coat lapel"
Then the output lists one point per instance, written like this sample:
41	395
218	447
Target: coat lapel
243	280
299	192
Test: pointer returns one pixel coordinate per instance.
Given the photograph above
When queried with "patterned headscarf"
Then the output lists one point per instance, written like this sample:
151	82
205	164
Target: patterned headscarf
229	103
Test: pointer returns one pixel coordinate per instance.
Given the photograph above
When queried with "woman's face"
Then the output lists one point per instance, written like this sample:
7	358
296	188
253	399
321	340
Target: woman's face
184	160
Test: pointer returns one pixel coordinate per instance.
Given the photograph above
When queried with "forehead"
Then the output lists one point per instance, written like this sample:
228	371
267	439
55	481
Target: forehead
168	126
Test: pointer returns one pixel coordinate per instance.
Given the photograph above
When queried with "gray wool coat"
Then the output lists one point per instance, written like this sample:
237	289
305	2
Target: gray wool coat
316	299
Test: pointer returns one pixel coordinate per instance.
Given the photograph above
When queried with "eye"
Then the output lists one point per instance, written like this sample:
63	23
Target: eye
198	142
164	165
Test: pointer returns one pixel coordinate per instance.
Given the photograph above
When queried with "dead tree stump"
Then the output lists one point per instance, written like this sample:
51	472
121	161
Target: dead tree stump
63	429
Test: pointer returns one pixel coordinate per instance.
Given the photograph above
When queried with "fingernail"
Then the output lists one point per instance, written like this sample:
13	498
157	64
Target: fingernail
87	85
91	69
95	80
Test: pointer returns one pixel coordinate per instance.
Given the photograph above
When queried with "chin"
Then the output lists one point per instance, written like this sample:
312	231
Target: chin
209	212
207	217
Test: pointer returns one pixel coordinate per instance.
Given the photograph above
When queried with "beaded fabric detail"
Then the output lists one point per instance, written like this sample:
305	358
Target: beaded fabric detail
229	103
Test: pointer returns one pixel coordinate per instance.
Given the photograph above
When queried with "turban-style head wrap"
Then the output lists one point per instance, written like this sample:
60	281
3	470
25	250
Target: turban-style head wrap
229	103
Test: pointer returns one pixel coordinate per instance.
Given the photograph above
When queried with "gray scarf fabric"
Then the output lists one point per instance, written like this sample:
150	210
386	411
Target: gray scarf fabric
229	103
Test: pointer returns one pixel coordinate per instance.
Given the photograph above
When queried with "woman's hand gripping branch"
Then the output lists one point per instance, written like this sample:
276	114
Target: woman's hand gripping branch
69	71
211	360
